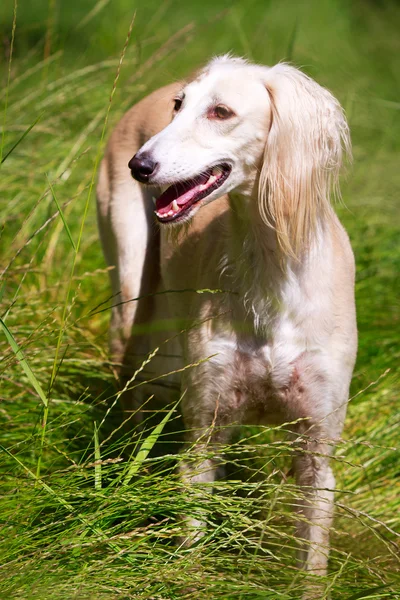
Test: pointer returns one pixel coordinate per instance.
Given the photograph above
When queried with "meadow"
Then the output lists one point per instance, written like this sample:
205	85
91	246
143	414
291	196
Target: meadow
81	516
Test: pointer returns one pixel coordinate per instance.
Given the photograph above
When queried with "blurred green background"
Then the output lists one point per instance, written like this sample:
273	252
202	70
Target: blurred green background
76	538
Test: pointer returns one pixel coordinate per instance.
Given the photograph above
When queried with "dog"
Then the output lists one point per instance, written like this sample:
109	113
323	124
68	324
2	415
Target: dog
241	161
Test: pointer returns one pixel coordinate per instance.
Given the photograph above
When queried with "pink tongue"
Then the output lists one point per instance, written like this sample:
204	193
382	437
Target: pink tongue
182	192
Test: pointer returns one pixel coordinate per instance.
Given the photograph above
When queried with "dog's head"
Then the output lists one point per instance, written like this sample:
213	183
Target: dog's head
269	133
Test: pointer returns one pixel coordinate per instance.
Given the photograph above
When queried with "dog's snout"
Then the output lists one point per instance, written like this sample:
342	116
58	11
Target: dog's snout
142	167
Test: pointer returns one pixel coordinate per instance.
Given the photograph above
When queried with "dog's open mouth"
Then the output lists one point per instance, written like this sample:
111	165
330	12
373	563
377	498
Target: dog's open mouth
177	200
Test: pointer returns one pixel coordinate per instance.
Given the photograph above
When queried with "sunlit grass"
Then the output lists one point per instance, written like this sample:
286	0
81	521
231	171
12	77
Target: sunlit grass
70	527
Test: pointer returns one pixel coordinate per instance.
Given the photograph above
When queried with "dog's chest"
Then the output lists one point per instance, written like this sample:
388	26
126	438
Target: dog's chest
261	381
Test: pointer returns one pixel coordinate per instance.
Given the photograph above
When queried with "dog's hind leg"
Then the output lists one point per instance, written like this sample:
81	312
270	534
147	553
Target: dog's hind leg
198	475
205	438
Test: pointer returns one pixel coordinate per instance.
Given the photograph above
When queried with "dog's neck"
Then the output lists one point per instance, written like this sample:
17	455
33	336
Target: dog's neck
249	231
264	278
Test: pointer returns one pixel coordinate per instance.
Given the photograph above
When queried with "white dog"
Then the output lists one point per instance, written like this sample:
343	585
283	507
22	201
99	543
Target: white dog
247	157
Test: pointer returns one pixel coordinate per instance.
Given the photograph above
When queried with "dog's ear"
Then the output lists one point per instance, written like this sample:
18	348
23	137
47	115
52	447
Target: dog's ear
302	158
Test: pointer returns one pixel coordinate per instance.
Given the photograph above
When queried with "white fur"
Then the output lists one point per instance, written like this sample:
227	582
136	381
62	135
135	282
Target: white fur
283	340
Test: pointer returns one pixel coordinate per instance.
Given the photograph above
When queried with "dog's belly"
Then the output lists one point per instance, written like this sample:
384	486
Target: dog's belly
267	387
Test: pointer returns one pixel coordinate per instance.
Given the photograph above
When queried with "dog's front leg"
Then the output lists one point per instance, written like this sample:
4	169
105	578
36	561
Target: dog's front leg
316	481
198	475
204	438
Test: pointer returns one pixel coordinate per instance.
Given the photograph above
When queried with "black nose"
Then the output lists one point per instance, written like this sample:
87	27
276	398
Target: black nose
142	167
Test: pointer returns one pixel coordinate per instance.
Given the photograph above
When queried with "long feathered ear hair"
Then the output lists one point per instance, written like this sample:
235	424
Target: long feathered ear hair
303	154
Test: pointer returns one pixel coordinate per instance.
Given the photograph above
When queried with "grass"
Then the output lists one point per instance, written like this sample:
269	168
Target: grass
80	517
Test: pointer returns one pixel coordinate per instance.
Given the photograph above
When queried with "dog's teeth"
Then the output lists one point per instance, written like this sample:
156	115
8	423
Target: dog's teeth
212	179
170	213
175	206
216	171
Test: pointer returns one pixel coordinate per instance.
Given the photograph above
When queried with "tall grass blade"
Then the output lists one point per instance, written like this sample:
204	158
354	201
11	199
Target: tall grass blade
24	364
61	213
98	7
23	136
97	457
371	593
36	385
147	446
3	133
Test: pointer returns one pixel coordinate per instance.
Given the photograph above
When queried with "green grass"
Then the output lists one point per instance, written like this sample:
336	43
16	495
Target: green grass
70	527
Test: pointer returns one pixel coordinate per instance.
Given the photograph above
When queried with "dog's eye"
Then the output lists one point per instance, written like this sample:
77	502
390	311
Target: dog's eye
221	112
177	104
